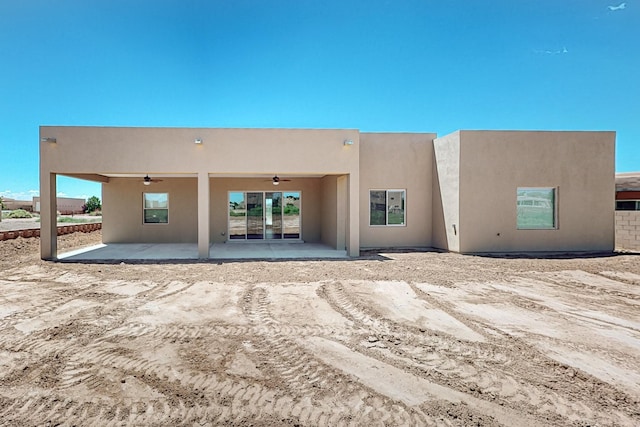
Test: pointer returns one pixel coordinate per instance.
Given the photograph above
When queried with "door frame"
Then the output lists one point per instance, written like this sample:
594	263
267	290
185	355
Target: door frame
264	230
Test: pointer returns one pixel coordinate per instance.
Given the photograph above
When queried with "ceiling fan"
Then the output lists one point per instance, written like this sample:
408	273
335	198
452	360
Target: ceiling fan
277	180
147	180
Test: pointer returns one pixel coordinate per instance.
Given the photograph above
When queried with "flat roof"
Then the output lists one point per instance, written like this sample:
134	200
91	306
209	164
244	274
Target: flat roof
628	181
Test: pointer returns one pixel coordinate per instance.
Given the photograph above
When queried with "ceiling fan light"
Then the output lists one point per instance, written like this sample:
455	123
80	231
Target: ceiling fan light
147	183
275	182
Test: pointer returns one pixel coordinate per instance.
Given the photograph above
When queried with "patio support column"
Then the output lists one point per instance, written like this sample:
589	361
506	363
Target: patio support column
353	215
203	215
342	201
48	216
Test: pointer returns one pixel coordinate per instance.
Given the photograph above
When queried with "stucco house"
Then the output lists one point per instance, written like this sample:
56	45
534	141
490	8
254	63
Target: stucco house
468	192
65	205
628	191
628	211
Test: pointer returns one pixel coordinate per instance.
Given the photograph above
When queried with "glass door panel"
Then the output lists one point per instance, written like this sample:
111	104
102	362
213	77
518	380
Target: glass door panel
291	215
264	215
237	216
255	216
273	215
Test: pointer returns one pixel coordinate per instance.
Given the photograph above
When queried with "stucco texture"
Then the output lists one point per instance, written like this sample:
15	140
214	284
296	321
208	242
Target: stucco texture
397	161
579	165
460	189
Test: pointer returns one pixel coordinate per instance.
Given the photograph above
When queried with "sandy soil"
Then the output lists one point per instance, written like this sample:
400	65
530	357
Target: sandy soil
386	339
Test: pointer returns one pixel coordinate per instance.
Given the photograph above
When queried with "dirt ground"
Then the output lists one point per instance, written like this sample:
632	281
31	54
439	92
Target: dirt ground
398	338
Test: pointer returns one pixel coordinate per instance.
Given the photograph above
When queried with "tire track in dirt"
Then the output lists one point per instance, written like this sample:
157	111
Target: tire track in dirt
46	297
304	373
44	300
191	332
202	393
166	290
403	346
206	397
299	370
340	301
87	367
95	367
82	358
449	309
481	369
595	285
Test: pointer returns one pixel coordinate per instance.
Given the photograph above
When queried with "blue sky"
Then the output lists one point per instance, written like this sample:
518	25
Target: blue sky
415	66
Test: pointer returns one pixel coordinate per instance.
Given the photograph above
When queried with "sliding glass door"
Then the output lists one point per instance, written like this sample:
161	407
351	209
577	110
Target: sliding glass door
255	211
237	216
291	215
273	216
270	215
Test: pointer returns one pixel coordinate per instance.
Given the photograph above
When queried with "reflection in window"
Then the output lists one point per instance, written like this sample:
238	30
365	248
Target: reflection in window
536	208
387	207
291	215
255	212
270	215
273	215
156	208
378	203
237	216
395	207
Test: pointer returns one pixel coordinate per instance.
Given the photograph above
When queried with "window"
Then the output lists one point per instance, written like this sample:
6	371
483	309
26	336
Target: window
156	208
536	208
628	205
387	207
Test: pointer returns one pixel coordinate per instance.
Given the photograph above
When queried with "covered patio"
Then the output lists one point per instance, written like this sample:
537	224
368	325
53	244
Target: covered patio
113	252
168	190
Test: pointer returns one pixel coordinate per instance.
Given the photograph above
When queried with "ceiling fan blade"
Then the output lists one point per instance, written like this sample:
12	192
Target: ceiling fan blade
148	180
276	178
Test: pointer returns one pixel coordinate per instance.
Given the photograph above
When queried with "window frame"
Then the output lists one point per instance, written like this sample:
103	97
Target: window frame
554	208
637	205
264	192
386	207
145	208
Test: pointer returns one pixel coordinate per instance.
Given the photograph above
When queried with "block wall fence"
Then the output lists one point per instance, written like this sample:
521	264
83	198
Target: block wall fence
62	230
628	230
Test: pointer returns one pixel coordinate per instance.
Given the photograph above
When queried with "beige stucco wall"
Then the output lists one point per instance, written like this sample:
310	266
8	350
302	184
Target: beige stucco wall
329	210
172	150
446	192
122	215
122	201
628	230
493	164
399	161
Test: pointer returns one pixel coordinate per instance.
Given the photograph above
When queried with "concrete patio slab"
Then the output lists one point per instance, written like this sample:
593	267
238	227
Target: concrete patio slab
189	251
280	250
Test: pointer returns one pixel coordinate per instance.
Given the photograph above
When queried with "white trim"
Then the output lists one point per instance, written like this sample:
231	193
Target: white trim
144	208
